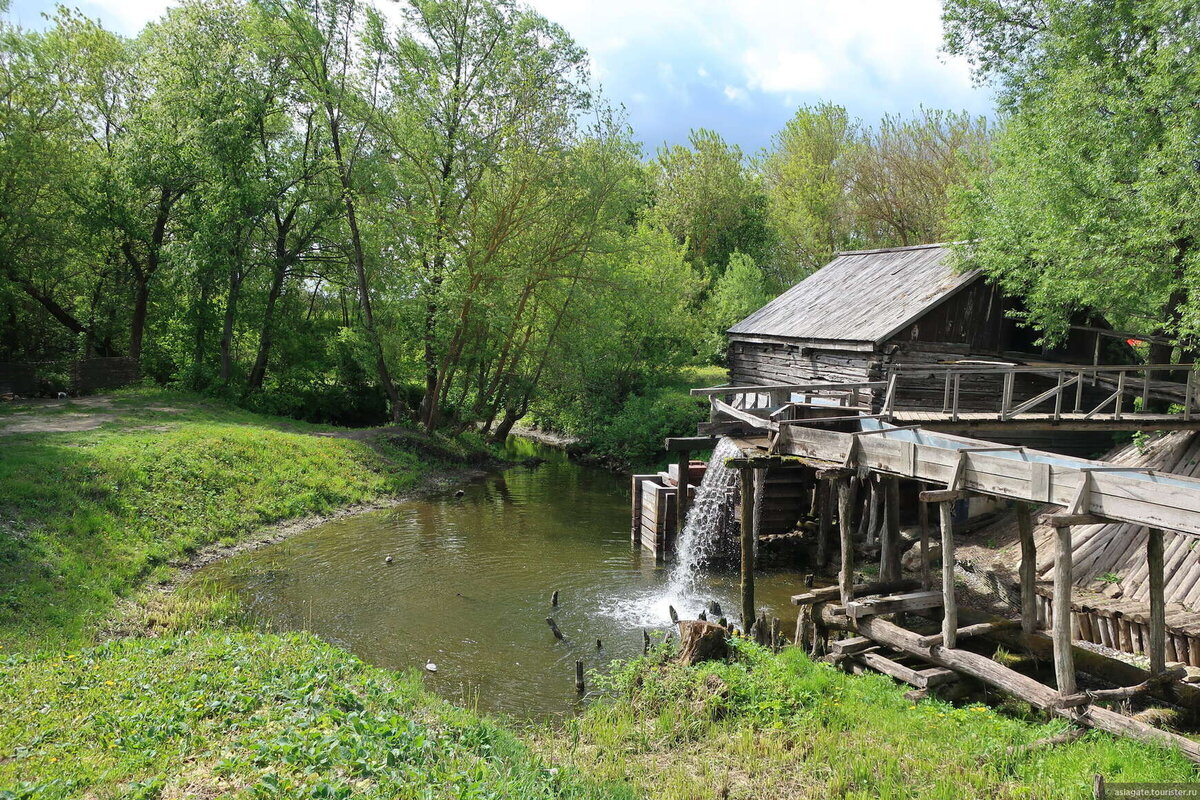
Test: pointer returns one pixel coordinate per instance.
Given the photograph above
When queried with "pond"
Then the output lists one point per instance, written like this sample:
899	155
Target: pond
469	584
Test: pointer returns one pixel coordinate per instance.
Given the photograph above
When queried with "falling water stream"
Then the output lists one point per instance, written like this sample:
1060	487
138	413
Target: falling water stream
469	585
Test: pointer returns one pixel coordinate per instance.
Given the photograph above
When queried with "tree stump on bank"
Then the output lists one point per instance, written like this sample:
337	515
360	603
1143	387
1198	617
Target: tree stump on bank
702	641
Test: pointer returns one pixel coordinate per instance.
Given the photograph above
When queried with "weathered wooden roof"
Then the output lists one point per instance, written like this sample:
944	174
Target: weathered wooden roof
861	296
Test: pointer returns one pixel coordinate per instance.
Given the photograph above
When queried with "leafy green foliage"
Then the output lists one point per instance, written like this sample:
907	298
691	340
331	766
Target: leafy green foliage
249	716
1093	200
85	517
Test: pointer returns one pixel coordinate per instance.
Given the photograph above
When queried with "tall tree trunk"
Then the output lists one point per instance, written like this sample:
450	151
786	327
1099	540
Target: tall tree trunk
137	324
360	267
266	334
231	301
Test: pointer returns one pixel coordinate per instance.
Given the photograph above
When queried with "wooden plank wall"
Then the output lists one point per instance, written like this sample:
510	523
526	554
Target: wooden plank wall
758	362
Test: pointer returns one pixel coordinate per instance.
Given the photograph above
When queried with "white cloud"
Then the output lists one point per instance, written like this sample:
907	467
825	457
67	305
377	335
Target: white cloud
735	95
683	61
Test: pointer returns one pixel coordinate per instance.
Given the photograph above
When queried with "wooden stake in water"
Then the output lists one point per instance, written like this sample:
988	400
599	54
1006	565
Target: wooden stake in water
554	628
579	685
554	599
747	546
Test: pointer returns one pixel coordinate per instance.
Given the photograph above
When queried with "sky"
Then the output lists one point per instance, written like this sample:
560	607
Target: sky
739	67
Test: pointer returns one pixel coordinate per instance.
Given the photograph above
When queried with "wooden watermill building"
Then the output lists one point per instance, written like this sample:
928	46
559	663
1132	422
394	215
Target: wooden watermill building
859	383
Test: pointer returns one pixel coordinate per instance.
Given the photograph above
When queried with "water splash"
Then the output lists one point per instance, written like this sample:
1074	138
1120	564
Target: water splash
711	530
710	521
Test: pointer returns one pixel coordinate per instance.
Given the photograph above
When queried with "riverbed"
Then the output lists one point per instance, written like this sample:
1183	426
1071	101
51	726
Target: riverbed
469	582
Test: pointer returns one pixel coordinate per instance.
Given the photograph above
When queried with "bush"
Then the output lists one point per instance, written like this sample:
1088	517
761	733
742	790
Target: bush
635	434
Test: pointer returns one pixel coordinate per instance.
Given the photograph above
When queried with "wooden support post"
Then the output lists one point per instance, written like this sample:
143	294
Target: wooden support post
1158	622
1064	660
949	608
747	541
824	520
845	506
681	491
875	507
889	550
1028	569
923	523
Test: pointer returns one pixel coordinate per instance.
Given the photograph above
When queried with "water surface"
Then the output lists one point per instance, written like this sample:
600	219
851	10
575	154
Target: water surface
469	585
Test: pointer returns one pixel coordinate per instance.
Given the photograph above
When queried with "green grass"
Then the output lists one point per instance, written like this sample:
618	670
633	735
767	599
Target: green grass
782	726
248	715
86	517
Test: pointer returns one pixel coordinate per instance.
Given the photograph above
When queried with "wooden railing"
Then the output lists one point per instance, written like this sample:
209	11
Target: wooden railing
773	405
1123	384
1082	392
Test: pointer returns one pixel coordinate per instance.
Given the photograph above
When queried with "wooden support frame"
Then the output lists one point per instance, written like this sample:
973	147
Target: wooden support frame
846	533
1158	623
747	545
949	607
889	544
1028	568
1064	660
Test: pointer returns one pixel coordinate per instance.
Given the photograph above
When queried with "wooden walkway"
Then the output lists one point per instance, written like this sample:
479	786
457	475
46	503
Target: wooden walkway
967	421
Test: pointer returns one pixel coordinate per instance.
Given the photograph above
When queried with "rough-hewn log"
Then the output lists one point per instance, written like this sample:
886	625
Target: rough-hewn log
747	546
1028	568
949	607
845	506
891	604
1157	649
966	632
889	546
859	590
1101	666
1064	663
1014	683
825	489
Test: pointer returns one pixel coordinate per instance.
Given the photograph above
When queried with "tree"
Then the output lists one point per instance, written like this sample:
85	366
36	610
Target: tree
905	170
707	197
468	84
808	171
1095	194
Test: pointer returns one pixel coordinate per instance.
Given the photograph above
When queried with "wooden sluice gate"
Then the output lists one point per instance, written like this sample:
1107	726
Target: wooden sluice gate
933	472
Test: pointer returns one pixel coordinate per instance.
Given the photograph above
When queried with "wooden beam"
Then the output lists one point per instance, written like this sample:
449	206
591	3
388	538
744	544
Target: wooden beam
1060	520
681	492
1028	568
923	524
889	545
922	679
980	629
1064	662
745	416
1157	649
747	547
851	646
942	495
891	604
826	593
825	503
845	510
689	444
787	387
949	607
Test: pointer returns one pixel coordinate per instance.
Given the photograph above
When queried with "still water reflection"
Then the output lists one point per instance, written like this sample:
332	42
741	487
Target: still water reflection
469	585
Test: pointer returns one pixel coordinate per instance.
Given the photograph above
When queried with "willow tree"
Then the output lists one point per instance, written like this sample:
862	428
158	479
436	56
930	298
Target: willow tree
1095	198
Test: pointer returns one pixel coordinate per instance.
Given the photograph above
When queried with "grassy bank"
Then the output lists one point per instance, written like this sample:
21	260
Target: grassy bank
248	715
782	726
99	496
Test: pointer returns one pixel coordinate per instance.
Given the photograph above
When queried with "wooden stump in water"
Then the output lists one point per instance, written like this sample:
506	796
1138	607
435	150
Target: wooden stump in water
702	641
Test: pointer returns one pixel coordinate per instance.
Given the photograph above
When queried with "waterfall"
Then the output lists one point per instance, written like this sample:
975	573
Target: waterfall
710	523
